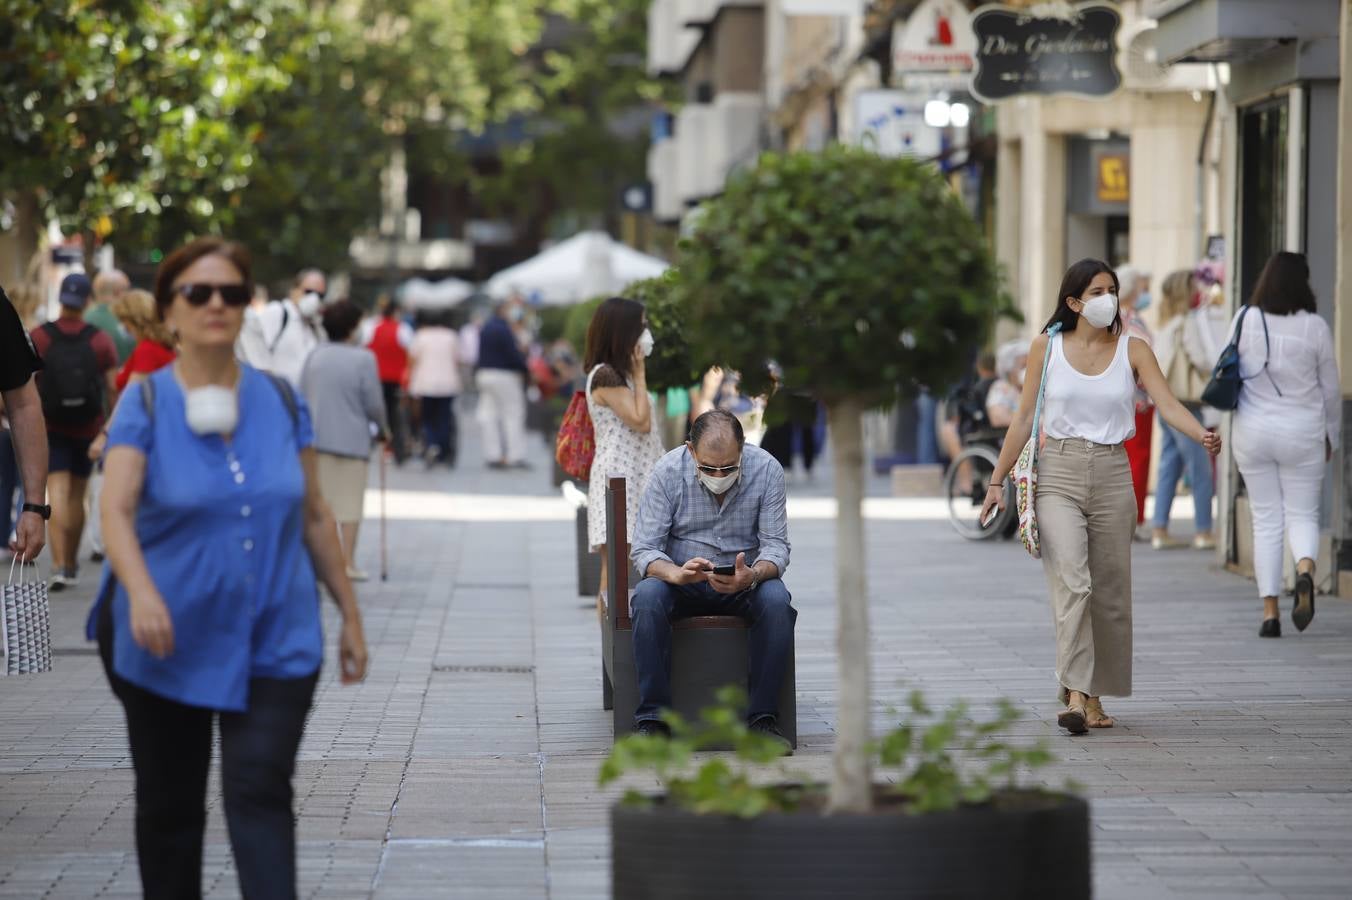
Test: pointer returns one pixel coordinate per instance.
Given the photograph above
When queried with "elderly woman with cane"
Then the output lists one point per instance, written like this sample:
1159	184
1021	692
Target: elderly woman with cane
208	616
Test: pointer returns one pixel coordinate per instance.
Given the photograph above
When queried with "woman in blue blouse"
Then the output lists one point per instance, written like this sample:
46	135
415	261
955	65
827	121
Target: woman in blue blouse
209	608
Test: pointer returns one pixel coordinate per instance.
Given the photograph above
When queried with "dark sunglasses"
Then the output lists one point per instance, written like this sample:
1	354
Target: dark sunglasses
717	470
200	294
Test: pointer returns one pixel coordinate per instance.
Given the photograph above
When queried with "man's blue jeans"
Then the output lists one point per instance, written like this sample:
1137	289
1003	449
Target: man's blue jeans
1178	453
770	638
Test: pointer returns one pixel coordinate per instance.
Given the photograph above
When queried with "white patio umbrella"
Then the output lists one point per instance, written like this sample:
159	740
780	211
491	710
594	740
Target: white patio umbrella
420	293
585	265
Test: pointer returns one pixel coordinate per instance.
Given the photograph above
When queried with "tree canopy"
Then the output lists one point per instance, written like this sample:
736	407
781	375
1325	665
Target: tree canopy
853	272
145	121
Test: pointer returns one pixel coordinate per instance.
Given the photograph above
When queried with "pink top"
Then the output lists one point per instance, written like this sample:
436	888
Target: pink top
434	357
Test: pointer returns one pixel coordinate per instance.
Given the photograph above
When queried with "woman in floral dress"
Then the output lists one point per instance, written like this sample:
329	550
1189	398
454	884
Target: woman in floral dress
628	444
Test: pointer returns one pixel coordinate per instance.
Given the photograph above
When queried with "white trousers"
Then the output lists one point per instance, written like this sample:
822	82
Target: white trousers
502	414
1284	477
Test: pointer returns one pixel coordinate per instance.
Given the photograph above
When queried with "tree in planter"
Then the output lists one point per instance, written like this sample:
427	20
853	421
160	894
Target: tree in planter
672	364
855	274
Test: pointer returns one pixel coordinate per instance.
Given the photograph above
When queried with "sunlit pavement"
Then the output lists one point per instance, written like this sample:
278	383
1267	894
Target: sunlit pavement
465	766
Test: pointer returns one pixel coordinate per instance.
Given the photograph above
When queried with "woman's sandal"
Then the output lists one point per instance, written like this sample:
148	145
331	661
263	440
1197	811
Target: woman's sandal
1303	612
1073	718
1096	717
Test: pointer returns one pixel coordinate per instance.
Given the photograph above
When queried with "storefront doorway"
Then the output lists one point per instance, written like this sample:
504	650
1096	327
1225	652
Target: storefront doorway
1263	164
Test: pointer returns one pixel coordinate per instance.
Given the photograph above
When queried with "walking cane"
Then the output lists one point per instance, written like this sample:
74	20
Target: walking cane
384	560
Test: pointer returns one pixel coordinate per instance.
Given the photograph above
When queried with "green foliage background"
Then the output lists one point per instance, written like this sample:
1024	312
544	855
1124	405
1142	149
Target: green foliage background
145	122
853	272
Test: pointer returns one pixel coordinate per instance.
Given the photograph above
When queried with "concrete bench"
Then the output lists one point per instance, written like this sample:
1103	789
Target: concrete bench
707	652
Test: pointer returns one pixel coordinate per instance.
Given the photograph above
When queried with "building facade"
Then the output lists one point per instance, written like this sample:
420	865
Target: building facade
1289	187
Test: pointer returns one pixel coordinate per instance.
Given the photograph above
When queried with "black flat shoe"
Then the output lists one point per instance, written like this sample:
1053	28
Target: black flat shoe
1303	611
1271	628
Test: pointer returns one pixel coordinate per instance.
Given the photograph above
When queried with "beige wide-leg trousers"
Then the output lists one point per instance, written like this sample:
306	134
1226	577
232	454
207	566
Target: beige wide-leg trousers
1086	513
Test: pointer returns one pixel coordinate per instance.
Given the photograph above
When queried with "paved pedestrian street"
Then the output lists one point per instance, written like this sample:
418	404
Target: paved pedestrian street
464	767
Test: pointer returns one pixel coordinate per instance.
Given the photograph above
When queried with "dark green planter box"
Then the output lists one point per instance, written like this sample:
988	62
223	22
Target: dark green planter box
588	564
1034	849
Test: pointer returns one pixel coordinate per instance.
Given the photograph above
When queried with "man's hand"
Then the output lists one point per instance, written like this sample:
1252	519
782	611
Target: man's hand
29	537
740	580
694	571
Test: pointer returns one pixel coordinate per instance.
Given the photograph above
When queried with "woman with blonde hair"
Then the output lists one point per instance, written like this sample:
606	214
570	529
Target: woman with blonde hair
154	342
1186	356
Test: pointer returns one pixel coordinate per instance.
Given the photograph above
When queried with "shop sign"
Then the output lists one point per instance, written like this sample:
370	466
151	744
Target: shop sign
1113	182
1047	48
892	123
936	38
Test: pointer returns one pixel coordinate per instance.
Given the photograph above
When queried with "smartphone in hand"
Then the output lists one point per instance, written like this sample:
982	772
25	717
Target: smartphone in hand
987	519
725	570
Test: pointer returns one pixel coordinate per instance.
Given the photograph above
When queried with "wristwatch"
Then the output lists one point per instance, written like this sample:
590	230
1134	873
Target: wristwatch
44	511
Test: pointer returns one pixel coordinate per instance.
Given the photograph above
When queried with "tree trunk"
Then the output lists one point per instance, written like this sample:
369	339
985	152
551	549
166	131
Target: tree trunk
851	783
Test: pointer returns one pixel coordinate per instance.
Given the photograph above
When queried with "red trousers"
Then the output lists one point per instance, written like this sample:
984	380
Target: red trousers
1138	455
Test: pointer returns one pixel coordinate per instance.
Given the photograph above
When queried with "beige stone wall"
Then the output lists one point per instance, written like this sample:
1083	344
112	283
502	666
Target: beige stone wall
1165	130
738	44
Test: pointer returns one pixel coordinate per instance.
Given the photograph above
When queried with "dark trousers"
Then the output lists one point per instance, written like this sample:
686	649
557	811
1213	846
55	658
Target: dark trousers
656	604
9	483
171	753
439	427
779	441
394	414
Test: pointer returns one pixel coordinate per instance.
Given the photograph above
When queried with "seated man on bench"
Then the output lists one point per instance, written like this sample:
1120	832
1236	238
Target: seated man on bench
713	503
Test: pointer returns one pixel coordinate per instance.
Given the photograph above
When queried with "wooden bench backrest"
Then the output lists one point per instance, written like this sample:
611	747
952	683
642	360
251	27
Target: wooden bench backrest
617	554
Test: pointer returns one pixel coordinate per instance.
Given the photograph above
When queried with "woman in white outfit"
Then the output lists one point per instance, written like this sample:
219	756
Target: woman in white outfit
1286	428
628	443
1085	502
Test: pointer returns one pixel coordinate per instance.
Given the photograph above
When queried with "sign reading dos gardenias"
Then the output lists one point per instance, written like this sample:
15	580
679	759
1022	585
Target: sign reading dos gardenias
1047	48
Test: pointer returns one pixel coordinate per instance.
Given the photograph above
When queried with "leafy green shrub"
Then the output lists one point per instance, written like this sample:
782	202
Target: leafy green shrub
927	751
579	320
672	364
553	322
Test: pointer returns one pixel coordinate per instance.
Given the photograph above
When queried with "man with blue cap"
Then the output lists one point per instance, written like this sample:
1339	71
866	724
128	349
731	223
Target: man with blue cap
79	365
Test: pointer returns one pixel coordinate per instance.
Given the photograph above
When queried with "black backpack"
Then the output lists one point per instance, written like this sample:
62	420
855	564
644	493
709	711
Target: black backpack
71	385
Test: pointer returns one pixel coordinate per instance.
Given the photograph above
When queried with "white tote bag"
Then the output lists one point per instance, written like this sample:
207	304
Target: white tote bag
25	624
1025	470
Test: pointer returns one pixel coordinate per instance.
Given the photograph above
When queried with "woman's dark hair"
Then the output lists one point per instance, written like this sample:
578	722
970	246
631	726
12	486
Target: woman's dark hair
175	263
1284	286
614	330
1074	284
340	320
716	420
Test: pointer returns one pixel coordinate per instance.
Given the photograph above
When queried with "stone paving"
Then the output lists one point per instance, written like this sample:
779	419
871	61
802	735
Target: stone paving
464	767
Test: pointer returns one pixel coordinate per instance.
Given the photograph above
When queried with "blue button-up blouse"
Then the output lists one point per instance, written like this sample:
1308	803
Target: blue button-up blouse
222	529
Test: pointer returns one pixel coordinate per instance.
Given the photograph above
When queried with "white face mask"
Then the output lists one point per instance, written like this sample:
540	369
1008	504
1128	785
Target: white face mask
212	409
645	342
719	485
1101	310
310	304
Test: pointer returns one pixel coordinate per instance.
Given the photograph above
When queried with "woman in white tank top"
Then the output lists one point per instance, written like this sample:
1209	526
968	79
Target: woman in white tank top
1085	503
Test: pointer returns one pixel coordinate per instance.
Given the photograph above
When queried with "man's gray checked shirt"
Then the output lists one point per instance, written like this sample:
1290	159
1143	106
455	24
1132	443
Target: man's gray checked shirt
679	519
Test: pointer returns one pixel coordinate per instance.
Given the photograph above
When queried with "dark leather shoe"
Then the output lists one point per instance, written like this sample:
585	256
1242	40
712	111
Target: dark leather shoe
769	726
653	728
1271	628
1303	610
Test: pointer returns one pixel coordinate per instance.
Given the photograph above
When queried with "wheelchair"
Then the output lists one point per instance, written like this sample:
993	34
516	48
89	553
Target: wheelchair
965	487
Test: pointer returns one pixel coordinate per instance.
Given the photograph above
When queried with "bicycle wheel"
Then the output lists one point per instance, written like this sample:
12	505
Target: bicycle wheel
965	492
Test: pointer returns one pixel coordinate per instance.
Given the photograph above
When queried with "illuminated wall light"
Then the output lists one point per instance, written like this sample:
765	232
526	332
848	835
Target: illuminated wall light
937	114
960	114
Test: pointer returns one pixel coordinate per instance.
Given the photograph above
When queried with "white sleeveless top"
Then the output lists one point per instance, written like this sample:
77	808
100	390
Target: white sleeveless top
1099	408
